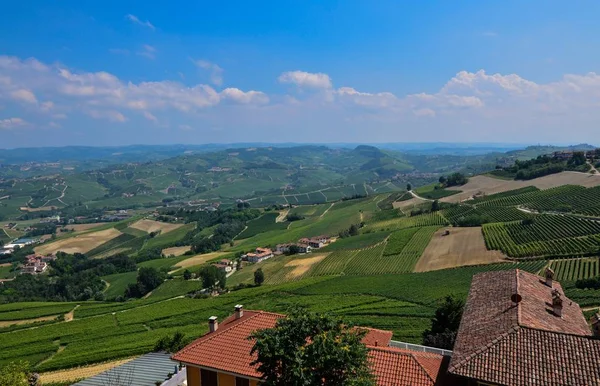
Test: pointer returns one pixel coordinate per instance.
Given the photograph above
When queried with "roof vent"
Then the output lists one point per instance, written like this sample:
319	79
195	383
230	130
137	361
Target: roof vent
557	303
213	324
549	276
239	311
596	324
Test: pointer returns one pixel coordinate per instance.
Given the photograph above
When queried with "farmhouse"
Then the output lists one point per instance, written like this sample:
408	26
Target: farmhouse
285	248
36	264
259	255
518	329
316	242
222	356
225	265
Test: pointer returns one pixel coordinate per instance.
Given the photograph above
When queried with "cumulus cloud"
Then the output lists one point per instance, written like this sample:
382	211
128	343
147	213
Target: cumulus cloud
150	117
24	95
249	97
216	72
306	79
111	115
136	20
11	123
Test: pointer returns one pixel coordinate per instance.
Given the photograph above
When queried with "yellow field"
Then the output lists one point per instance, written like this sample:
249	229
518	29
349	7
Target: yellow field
154	226
463	246
63	376
176	251
488	185
8	323
198	260
301	266
41	208
79	244
84	227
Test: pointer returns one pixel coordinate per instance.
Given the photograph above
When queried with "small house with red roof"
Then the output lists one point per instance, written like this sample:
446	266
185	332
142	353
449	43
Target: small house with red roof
223	356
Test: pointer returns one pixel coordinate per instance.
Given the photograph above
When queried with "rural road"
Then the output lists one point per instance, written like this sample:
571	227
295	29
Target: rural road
415	195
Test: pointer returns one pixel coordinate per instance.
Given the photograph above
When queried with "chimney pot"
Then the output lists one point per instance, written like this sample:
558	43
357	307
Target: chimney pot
239	311
549	276
557	303
596	324
213	324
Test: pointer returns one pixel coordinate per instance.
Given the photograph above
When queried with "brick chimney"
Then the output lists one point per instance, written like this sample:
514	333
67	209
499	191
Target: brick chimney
239	311
557	303
596	324
549	276
213	324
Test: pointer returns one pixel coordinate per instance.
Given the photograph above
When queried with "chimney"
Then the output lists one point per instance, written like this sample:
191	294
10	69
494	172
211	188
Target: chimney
239	311
557	303
213	324
549	276
596	324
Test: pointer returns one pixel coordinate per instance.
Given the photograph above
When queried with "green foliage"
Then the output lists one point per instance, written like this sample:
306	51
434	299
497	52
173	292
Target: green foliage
398	240
259	277
14	374
357	242
444	324
172	344
148	278
575	269
212	277
309	349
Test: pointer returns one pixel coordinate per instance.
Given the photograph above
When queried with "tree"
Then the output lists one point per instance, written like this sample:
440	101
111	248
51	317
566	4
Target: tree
435	206
14	374
444	324
212	277
312	349
353	230
187	275
409	187
171	344
259	276
293	250
443	180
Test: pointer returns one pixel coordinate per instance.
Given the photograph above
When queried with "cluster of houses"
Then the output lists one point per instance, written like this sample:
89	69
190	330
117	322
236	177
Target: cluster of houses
306	245
225	265
260	254
36	264
7	249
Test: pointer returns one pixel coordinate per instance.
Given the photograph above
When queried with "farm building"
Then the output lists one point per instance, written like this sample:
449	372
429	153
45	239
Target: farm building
258	255
518	329
285	248
222	356
316	242
225	265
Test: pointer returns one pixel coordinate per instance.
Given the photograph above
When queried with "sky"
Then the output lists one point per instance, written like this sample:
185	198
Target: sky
148	72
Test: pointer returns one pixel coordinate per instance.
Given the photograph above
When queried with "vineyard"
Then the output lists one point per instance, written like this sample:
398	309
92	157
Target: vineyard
262	224
500	237
422	220
496	214
575	269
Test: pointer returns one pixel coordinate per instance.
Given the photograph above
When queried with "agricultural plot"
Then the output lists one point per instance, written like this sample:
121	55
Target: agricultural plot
334	263
356	242
114	243
575	269
388	202
79	244
429	219
264	223
430	192
462	247
498	237
149	226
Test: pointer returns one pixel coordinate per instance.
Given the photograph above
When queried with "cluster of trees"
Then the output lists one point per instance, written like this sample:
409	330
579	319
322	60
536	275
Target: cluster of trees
223	234
444	324
41	229
454	179
71	278
473	220
294	217
172	344
352	231
354	197
148	279
212	277
545	165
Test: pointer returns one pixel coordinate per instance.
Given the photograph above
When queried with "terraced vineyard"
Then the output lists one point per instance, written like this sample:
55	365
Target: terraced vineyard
429	219
264	223
496	214
575	269
549	236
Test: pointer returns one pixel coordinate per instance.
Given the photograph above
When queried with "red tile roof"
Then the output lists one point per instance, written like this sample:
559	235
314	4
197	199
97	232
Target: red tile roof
392	366
523	344
228	349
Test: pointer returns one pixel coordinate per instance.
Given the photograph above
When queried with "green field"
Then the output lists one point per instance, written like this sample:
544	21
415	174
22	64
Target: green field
264	223
575	269
435	192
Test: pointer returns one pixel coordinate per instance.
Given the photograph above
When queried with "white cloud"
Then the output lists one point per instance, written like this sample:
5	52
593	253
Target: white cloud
306	79
249	97
24	95
150	117
148	51
11	123
134	19
47	106
111	115
216	72
54	125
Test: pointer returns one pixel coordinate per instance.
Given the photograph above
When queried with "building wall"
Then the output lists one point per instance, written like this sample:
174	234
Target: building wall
193	376
226	380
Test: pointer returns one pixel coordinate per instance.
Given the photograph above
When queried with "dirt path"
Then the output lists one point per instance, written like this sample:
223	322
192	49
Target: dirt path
593	169
415	195
463	246
282	215
327	210
69	316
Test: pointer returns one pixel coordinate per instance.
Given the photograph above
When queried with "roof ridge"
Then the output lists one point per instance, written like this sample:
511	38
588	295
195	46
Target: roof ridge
221	331
482	349
404	353
517	284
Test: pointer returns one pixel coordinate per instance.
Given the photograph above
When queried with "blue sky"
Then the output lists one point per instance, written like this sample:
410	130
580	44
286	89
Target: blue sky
111	73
